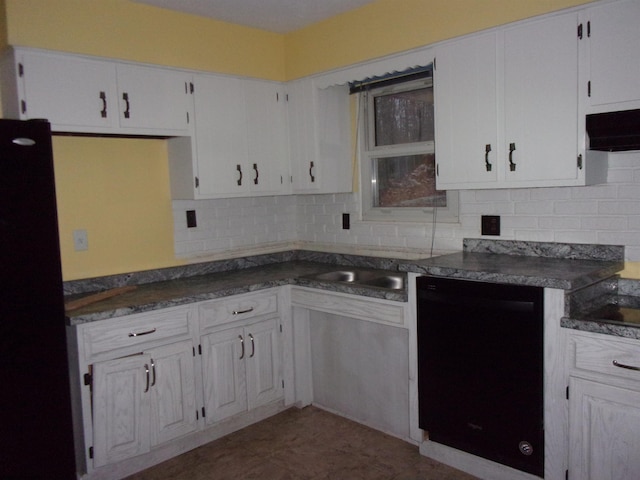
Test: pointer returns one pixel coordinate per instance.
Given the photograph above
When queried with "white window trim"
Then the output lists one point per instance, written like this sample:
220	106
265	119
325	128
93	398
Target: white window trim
366	134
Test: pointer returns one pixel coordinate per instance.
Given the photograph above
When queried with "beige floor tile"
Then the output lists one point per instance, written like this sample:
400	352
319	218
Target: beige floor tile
307	444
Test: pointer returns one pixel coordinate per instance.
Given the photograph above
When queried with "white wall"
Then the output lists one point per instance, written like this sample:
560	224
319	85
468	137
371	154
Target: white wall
606	214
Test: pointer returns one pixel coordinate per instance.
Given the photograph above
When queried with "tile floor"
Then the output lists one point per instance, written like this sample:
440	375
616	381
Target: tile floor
307	444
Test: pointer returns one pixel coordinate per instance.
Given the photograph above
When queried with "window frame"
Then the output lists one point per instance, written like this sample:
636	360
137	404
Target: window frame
369	152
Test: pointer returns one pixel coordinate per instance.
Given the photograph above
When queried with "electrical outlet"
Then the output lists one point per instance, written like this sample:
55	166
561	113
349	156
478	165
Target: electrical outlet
490	225
80	240
191	219
346	221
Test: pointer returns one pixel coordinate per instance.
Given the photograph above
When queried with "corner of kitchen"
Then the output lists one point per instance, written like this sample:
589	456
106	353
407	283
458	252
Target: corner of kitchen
196	239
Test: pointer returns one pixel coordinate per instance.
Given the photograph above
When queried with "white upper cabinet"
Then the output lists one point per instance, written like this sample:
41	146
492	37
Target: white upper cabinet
73	93
507	108
540	144
82	94
466	116
320	145
266	106
154	99
240	143
610	39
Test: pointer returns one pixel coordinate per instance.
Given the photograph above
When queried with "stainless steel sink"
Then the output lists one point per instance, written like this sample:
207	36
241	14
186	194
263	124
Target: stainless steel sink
369	278
394	282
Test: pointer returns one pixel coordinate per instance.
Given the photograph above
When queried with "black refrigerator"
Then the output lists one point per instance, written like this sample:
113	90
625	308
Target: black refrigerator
36	433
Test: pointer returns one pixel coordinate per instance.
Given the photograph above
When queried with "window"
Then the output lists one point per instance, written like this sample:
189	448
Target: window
397	161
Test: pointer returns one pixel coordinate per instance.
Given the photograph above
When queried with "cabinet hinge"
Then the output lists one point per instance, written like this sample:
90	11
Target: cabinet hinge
567	392
589	88
20	70
580	162
197	182
90	452
87	379
580	31
203	413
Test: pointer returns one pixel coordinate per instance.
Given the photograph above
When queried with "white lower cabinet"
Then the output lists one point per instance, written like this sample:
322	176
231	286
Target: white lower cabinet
604	407
155	384
142	401
241	369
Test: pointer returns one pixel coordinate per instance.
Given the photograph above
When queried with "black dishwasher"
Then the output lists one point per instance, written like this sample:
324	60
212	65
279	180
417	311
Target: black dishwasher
480	369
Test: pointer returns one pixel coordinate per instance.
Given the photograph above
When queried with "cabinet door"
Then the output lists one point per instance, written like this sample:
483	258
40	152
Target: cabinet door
173	392
221	136
154	99
264	377
121	408
267	137
224	377
302	137
614	63
604	431
541	101
466	112
334	149
74	94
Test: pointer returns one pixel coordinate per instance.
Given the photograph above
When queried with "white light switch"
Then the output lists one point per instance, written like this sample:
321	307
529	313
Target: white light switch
80	241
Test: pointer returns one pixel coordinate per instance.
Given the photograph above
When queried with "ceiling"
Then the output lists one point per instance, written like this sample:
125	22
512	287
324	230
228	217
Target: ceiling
280	16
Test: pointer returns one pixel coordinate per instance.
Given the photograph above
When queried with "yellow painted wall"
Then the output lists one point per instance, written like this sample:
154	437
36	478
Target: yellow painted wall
390	26
128	30
114	188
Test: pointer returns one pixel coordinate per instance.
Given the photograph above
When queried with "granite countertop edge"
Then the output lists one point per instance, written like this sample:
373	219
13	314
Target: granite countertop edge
483	260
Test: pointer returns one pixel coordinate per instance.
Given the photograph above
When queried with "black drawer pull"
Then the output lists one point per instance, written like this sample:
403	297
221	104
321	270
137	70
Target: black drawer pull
134	334
628	367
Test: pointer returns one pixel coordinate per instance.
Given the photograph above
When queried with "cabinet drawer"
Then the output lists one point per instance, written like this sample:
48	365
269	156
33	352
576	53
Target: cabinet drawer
133	331
610	357
237	307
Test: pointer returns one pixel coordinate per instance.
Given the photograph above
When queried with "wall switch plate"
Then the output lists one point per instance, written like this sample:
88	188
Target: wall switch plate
191	219
80	240
490	225
346	221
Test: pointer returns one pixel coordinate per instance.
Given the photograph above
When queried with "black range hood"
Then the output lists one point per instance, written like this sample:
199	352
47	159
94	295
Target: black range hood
614	131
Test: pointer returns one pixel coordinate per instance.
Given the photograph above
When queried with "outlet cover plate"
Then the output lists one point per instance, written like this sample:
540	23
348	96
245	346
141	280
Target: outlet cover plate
490	225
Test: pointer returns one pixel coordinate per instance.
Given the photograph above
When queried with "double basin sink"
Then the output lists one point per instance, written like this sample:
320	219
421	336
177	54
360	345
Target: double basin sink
367	278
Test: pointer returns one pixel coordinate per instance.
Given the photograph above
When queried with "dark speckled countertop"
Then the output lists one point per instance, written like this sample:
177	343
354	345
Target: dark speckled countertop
561	273
552	265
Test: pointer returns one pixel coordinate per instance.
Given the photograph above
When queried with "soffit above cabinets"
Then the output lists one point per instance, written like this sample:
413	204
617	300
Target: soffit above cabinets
280	16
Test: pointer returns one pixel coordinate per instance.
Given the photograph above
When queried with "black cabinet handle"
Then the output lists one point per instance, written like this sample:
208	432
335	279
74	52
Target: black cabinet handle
313	179
253	346
487	165
242	345
125	97
255	180
103	97
622	365
512	165
239	169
